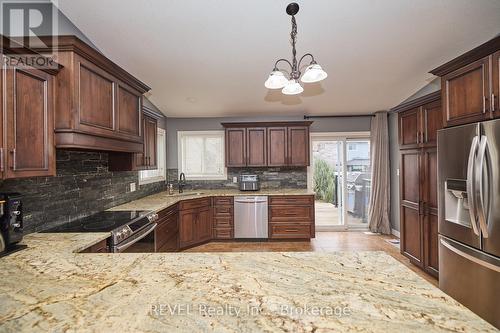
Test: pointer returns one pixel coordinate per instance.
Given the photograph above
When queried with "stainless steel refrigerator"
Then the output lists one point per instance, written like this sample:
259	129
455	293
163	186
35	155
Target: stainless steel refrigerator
469	216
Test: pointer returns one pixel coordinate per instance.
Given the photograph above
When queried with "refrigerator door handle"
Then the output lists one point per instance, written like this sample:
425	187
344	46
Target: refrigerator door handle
481	209
471	184
469	256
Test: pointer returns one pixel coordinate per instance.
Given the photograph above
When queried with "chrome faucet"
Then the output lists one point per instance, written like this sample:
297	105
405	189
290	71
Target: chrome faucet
182	182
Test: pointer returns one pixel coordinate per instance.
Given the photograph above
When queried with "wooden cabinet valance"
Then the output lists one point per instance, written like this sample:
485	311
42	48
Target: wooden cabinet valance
267	144
98	104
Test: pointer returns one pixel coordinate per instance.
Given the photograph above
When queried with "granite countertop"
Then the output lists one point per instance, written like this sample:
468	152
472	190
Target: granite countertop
50	288
162	200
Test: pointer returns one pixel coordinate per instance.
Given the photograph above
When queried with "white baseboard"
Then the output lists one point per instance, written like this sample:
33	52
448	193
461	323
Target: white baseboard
395	233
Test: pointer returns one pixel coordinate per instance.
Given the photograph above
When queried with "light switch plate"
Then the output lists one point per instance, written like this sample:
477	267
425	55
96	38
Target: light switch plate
132	187
397	172
235	179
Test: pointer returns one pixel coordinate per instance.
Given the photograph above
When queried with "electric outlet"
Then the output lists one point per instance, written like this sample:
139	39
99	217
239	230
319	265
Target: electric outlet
235	179
132	187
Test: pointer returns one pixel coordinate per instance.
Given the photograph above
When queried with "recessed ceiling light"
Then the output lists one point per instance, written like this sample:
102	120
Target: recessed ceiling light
191	100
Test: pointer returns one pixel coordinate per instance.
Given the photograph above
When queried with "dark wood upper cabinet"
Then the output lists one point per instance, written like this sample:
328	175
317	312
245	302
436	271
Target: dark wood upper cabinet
298	146
256	146
432	121
147	159
409	124
267	144
495	84
27	123
236	147
150	141
277	150
419	120
469	85
466	93
98	104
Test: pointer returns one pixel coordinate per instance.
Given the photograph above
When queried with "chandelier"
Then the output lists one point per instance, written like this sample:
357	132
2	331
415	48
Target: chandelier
313	72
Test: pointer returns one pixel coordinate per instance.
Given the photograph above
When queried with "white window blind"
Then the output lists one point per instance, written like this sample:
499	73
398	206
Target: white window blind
201	154
159	174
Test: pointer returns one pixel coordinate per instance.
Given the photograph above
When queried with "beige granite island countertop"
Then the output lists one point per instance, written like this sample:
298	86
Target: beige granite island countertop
162	200
50	288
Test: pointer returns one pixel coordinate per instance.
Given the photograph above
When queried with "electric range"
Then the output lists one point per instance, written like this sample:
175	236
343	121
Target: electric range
126	227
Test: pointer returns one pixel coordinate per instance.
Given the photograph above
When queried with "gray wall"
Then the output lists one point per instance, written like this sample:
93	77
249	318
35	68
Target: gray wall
344	124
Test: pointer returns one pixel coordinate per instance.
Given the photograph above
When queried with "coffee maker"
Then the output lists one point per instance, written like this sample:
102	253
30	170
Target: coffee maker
11	221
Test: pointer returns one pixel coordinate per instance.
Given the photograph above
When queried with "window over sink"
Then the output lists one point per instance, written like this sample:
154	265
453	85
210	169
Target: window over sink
201	154
158	174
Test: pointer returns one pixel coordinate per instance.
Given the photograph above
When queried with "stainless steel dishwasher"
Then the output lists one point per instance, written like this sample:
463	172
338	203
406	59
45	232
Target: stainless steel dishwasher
250	217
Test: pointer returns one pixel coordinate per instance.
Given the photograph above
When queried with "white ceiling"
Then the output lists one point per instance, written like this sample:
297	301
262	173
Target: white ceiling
211	58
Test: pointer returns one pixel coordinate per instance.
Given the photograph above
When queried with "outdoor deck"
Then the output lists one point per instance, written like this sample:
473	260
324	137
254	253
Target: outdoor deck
328	215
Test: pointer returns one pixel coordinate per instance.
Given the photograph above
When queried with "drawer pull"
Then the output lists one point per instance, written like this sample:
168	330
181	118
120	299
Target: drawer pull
291	230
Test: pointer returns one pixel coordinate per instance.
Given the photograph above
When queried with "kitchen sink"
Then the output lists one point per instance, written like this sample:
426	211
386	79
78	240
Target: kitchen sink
188	194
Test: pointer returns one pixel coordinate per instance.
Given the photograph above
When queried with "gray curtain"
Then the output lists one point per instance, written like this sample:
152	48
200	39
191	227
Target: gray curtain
380	192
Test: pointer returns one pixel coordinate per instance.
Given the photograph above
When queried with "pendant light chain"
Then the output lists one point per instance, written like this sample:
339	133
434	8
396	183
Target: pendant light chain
313	72
293	41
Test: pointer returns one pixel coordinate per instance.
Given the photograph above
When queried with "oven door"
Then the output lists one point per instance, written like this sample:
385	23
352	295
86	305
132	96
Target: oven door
141	242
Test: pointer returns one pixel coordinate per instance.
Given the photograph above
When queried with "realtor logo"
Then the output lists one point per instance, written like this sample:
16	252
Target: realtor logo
28	24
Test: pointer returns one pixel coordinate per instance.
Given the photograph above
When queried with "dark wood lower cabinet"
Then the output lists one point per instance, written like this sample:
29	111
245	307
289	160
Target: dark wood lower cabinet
167	231
195	222
223	210
418	211
291	217
100	247
411	234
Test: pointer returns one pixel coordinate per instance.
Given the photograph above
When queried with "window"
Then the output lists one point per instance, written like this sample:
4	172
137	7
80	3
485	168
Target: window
201	154
157	175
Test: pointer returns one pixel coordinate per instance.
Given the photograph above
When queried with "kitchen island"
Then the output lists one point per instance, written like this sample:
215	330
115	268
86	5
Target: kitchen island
51	287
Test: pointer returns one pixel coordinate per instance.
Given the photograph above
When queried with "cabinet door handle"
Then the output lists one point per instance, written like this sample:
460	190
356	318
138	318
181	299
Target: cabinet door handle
492	102
13	152
484	104
1	160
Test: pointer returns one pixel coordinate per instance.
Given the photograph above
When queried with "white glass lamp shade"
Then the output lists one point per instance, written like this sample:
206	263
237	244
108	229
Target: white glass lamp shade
314	73
292	88
276	80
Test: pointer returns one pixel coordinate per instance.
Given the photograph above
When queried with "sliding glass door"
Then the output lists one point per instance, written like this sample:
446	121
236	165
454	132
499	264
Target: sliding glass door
340	176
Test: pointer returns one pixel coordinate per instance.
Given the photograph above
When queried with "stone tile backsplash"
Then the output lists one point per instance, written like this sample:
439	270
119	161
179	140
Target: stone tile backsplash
83	186
270	178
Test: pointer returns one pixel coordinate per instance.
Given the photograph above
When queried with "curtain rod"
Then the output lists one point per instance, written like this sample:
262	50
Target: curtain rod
346	116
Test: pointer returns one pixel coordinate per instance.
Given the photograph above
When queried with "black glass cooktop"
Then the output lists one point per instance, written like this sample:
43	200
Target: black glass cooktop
100	222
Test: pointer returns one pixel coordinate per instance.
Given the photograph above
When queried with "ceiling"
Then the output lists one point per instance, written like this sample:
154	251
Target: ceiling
211	58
